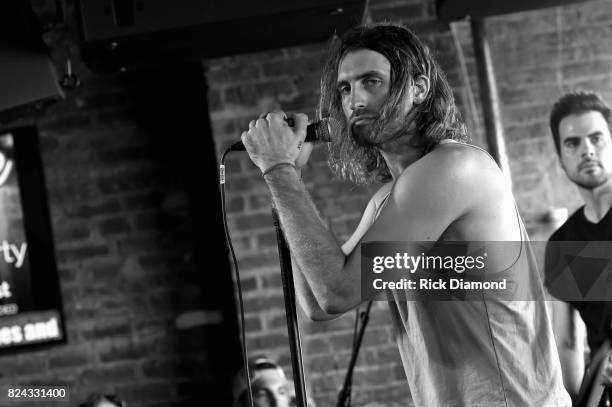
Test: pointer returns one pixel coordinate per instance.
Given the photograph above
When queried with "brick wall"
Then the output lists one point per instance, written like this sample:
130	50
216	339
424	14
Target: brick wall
130	168
144	311
537	55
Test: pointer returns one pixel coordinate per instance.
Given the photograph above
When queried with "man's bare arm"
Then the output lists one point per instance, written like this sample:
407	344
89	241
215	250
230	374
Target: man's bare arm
307	299
570	344
305	296
312	245
304	293
425	200
430	195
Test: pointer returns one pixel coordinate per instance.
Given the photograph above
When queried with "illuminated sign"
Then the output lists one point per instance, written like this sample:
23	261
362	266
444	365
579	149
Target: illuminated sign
30	301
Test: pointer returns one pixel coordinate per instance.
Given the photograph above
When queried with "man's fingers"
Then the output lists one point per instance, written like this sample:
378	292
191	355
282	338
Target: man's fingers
244	138
277	117
277	112
261	123
265	114
301	121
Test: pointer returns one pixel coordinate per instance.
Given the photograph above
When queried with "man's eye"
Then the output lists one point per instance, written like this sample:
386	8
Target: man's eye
373	81
344	90
260	393
571	144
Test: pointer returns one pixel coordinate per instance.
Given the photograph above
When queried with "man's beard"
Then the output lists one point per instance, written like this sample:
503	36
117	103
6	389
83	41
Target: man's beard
356	148
590	182
347	157
361	130
373	130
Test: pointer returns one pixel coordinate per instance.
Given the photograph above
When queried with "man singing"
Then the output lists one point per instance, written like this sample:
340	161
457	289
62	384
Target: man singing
400	125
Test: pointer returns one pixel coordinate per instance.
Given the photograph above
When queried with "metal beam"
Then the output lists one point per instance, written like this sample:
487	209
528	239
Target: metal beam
489	96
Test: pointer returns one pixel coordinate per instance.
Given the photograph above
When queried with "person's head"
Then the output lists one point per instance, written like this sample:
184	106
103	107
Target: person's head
103	400
580	126
382	83
269	385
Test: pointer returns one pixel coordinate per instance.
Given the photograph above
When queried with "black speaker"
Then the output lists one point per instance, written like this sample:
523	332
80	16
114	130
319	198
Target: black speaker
27	76
451	10
132	34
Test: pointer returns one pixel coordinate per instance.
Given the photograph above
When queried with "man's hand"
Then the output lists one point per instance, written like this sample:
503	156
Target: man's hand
270	140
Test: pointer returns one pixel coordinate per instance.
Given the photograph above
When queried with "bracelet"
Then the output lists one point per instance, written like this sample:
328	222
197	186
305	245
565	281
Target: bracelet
275	166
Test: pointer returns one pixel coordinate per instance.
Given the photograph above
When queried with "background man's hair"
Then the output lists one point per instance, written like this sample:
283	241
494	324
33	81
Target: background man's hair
437	117
572	103
95	398
256	365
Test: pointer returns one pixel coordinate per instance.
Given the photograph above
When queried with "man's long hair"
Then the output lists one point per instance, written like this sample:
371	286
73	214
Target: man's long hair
436	118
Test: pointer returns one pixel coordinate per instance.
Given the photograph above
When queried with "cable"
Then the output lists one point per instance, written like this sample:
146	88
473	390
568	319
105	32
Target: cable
245	359
344	396
356	326
349	384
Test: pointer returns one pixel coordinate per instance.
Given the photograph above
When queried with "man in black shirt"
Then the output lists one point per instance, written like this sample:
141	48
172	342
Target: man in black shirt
580	125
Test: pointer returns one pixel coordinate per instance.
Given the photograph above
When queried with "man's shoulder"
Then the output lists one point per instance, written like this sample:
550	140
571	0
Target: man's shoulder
451	180
565	230
559	234
382	191
462	156
458	165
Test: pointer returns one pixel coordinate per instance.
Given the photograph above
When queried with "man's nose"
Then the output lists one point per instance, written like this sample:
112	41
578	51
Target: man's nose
588	149
358	100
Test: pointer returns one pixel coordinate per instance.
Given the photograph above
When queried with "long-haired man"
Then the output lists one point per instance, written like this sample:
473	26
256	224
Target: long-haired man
399	125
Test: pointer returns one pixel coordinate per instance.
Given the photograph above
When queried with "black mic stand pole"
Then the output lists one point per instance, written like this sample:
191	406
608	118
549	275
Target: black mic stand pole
292	323
345	393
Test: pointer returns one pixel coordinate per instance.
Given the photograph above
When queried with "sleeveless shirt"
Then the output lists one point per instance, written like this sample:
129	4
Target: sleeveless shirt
490	352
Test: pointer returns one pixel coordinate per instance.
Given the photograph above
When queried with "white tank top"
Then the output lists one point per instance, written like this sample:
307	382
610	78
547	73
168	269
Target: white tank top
480	353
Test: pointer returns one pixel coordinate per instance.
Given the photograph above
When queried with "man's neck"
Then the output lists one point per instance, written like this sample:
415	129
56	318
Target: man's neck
597	202
399	154
399	158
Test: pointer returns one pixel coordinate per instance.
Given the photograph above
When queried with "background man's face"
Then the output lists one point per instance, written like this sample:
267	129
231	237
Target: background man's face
105	403
586	149
363	83
272	390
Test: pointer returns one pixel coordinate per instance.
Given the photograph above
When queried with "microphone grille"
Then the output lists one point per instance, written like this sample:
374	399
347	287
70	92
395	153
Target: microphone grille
328	127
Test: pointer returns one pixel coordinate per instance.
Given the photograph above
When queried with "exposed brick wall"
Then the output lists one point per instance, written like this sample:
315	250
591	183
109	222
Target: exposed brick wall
148	301
241	88
537	55
123	218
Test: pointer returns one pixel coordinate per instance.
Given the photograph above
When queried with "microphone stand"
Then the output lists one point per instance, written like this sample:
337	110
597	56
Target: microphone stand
290	310
344	396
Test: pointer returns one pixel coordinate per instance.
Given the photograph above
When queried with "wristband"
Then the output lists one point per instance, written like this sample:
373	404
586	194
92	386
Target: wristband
275	166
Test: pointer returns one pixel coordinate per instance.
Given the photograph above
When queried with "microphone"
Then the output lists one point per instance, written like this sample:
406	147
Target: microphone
316	131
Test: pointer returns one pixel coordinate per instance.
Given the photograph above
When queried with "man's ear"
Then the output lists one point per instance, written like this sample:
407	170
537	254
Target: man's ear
420	88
